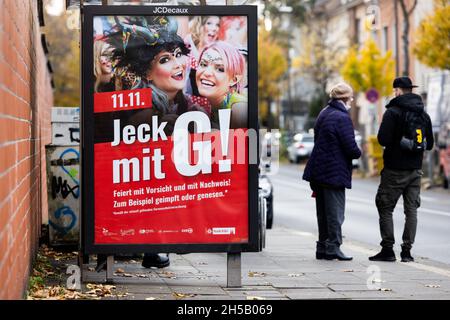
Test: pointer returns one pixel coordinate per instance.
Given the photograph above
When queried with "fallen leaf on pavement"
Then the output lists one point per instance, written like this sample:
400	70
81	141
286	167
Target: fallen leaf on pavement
100	290
349	270
182	295
41	294
120	270
56	291
295	275
168	274
255	298
385	289
72	295
256	274
121	295
432	286
140	275
91	269
377	281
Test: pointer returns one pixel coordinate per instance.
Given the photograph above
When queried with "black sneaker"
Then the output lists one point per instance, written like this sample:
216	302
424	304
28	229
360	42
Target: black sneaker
386	254
406	255
155	260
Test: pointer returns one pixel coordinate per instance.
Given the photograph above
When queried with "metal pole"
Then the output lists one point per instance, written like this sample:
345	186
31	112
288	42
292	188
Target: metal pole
234	270
109	268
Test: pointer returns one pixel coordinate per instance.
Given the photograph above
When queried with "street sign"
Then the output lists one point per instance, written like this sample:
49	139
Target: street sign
166	167
372	95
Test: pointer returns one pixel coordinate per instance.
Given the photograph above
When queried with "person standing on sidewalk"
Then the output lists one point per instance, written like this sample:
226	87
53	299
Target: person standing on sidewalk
329	170
405	132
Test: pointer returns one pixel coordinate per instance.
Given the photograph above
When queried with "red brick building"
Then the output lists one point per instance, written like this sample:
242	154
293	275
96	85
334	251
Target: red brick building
26	98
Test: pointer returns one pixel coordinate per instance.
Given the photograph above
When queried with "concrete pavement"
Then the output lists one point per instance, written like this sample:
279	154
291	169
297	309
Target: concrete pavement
286	269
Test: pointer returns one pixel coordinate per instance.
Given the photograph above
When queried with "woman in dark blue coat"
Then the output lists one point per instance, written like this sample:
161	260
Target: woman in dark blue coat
329	170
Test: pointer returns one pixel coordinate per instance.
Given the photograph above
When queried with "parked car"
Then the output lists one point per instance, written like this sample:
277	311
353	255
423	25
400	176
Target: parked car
301	147
444	153
266	189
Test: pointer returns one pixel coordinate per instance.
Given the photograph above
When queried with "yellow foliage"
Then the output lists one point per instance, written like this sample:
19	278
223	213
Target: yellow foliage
432	45
368	68
64	55
272	65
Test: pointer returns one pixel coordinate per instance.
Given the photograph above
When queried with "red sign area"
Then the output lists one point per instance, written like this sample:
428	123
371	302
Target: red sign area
123	100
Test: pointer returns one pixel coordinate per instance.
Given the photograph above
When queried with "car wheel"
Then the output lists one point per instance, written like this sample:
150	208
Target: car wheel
269	220
297	160
445	184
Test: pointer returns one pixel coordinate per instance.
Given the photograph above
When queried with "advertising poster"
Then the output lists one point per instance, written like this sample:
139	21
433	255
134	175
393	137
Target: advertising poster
170	111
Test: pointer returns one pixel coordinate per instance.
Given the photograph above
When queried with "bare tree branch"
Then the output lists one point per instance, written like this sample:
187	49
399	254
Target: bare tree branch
406	26
412	8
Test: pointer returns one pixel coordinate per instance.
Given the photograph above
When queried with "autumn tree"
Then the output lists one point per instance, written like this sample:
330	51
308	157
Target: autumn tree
406	12
64	56
272	66
369	69
319	61
432	45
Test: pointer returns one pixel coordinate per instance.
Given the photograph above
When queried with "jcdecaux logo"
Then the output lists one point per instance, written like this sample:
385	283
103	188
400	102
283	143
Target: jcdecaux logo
160	10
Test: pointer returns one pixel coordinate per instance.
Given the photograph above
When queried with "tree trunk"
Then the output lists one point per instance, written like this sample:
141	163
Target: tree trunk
405	34
405	46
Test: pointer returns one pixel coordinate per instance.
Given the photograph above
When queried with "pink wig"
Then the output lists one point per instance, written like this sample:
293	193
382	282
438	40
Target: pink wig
233	60
226	22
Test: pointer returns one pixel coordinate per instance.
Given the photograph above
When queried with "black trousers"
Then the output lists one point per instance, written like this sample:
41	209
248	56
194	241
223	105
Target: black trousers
393	184
330	208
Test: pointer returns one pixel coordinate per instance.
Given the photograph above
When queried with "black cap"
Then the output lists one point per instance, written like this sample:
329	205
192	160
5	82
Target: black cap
403	82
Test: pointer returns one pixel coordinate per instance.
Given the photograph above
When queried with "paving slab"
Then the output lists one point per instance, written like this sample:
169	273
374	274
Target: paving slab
300	294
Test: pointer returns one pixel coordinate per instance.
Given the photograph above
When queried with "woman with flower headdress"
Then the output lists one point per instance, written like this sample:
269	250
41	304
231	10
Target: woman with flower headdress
151	49
219	78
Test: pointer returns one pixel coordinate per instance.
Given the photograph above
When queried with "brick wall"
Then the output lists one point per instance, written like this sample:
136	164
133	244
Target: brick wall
25	103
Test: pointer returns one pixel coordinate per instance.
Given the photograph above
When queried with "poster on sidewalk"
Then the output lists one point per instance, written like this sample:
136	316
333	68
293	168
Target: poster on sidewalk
168	108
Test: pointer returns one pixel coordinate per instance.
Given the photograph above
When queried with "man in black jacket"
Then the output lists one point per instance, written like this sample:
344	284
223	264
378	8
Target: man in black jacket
402	172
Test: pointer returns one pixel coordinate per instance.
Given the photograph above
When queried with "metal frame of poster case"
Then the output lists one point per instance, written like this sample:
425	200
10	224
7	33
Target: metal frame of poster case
87	129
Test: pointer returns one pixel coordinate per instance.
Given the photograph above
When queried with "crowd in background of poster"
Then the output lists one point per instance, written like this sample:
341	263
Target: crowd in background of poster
154	77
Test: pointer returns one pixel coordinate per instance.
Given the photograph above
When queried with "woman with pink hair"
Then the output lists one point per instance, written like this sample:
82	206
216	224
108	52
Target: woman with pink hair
219	78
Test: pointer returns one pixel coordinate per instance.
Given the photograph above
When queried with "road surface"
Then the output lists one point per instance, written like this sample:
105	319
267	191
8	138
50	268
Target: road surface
294	208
